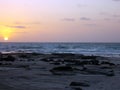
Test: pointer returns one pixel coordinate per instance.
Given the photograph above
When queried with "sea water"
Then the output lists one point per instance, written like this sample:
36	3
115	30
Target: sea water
104	49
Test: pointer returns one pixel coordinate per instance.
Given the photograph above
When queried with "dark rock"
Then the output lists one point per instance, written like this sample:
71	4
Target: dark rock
105	67
63	54
88	62
23	56
31	60
69	61
9	58
109	63
78	88
27	67
100	71
84	62
55	63
94	62
68	73
7	64
89	57
0	56
45	60
110	73
63	68
36	54
84	68
79	84
1	64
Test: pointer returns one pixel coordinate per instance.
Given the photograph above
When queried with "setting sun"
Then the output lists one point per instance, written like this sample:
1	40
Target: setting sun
6	32
6	38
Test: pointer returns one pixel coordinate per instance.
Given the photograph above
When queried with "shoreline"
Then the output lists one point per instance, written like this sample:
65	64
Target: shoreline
86	54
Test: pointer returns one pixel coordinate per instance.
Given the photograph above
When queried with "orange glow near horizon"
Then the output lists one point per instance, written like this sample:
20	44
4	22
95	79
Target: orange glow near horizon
6	38
6	32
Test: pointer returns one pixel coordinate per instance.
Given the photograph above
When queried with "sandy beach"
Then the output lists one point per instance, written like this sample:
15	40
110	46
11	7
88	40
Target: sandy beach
35	71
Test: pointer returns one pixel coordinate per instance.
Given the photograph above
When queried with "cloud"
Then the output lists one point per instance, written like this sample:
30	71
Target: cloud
14	26
81	5
115	15
109	16
85	19
69	19
116	0
91	25
107	19
19	27
26	23
104	13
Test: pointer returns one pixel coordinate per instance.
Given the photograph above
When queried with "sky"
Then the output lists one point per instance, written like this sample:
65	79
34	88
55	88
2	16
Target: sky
60	20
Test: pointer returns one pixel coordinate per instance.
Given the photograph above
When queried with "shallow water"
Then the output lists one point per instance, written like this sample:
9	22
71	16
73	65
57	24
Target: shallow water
106	49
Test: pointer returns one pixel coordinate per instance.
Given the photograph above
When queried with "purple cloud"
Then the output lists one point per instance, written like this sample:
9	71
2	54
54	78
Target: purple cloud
85	18
27	23
91	25
15	26
81	5
116	0
19	27
116	15
107	19
69	19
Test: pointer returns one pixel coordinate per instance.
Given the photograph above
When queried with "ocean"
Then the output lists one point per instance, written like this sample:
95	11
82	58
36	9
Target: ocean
102	49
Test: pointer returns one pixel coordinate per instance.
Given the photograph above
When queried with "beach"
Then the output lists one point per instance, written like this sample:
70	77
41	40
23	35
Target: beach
59	45
61	71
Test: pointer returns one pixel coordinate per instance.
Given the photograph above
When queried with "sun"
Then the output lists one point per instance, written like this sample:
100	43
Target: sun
6	38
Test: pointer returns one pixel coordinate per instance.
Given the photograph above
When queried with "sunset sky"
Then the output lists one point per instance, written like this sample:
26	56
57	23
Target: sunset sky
60	20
